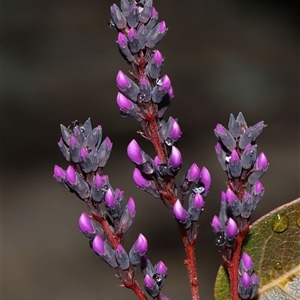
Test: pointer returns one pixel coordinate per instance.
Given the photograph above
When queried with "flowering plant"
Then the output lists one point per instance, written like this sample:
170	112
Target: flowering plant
145	96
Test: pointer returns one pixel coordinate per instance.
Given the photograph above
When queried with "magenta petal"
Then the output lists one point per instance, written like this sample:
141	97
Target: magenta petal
175	160
71	175
135	152
231	229
98	245
131	206
141	244
59	173
205	178
85	223
179	212
139	179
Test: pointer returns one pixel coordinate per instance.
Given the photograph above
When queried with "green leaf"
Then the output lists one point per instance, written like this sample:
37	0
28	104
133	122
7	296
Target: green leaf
274	245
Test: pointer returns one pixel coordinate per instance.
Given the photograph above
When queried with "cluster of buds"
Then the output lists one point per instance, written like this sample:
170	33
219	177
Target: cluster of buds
236	150
248	280
108	219
146	98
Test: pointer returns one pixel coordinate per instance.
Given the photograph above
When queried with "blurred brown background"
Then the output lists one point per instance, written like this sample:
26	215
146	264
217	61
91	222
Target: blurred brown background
59	64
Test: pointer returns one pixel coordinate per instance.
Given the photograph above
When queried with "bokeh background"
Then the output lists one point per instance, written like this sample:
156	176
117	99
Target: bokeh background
59	64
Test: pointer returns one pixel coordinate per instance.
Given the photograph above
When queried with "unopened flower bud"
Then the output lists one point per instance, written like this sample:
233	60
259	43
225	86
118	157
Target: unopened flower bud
231	230
205	178
260	167
155	65
126	217
126	7
146	12
134	152
225	137
249	156
77	184
118	17
156	34
233	126
221	156
133	41
153	19
193	173
234	165
175	159
173	132
133	18
138	250
86	226
59	174
196	206
246	264
245	286
161	88
122	257
216	225
234	203
102	249
112	205
127	86
151	286
180	213
123	47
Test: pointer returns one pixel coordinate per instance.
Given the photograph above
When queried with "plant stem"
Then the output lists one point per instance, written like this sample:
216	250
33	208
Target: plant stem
133	285
190	263
169	194
233	265
113	239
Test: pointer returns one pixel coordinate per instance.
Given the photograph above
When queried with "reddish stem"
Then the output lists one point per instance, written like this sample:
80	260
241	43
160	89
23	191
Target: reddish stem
113	239
132	284
151	118
233	265
190	263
